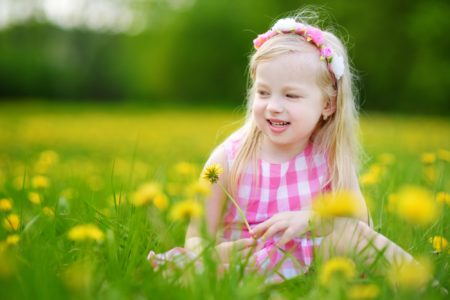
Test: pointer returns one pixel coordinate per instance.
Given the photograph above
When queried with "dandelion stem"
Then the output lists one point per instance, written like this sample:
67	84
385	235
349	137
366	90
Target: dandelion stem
241	213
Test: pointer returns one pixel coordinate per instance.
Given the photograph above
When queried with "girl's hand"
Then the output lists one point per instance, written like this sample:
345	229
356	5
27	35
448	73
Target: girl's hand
292	224
240	247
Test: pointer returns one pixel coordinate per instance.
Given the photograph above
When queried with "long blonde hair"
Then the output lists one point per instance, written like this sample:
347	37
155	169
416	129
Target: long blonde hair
336	137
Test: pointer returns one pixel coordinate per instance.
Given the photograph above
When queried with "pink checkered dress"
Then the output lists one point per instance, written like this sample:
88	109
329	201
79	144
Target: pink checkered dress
280	187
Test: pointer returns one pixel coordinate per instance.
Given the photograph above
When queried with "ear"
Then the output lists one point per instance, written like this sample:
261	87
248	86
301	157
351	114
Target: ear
329	107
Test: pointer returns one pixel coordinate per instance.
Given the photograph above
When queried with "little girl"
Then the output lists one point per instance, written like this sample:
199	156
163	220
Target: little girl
299	141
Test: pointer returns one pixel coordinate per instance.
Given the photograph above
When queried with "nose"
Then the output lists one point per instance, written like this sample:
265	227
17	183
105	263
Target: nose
275	105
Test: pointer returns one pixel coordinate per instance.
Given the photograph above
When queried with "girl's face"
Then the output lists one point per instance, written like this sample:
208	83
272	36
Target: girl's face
288	102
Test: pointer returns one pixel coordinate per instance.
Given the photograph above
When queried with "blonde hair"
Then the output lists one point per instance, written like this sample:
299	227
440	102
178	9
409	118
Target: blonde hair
336	137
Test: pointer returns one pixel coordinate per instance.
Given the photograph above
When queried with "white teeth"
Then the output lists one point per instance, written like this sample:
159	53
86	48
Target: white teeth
278	123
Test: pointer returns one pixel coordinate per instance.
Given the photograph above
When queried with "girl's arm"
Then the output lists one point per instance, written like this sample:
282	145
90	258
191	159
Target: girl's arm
212	206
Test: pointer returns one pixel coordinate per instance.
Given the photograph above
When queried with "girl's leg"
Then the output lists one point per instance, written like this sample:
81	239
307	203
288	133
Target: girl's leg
353	237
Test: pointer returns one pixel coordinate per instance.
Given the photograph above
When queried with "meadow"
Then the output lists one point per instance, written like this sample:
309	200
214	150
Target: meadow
87	190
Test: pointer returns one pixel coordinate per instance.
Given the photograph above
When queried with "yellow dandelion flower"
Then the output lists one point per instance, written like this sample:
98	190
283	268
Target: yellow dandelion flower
441	197
146	193
392	203
20	182
35	198
341	267
161	201
185	169
416	205
12	239
186	209
386	159
40	182
5	204
439	243
198	188
410	275
49	157
444	155
11	222
364	291
78	276
372	176
339	204
428	158
49	212
86	232
429	173
212	173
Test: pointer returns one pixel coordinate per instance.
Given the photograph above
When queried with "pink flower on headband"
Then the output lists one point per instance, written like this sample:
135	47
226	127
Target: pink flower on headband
314	35
326	53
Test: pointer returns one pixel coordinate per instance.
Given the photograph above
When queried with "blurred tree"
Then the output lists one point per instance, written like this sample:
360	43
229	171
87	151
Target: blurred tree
197	51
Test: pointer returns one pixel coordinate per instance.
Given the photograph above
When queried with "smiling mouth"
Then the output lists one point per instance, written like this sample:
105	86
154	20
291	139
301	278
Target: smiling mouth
279	124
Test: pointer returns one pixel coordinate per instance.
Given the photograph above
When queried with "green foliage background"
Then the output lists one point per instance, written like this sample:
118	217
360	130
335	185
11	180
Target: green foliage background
199	53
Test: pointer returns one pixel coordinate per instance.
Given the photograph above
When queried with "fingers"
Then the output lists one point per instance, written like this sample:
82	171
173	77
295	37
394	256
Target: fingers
275	228
243	243
288	235
262	227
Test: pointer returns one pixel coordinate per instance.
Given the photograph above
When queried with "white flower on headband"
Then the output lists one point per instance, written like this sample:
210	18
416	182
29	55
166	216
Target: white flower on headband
287	24
337	66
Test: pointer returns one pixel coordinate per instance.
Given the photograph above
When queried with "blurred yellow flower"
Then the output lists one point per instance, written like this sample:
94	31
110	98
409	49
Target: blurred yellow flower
40	182
372	176
46	160
86	232
363	292
11	222
429	173
410	275
185	169
5	204
428	158
34	198
186	209
443	197
386	159
146	193
49	212
78	276
392	203
444	155
161	201
341	267
416	205
198	188
12	239
212	173
439	243
339	204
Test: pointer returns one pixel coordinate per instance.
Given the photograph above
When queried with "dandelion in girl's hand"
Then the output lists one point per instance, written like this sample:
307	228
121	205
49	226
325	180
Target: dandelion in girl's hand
212	173
185	210
341	267
439	243
86	232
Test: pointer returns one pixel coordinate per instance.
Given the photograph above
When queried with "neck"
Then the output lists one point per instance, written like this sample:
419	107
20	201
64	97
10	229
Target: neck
278	153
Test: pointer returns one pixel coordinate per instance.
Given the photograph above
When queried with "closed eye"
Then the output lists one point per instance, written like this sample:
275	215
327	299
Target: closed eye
262	93
293	96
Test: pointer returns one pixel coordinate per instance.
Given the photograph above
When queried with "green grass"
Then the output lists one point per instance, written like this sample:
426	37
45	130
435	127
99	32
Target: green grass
106	152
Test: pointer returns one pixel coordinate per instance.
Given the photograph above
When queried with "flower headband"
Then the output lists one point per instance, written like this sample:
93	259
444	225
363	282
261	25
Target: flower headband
313	35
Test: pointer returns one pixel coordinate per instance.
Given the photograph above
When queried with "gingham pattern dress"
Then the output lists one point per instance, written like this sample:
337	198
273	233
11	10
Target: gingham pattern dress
278	187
